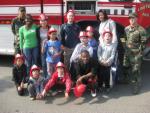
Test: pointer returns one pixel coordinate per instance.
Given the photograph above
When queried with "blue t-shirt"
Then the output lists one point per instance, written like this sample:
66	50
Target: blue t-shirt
94	44
52	48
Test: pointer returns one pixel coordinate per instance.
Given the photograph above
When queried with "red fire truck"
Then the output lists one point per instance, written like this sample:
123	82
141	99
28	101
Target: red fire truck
85	10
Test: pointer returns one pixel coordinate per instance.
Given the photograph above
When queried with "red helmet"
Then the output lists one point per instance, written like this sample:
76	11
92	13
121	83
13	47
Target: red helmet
51	30
79	90
70	11
34	67
43	17
60	64
83	34
18	56
107	31
89	28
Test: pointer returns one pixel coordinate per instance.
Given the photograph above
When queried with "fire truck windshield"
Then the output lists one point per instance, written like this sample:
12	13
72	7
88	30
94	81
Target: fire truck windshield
120	0
145	0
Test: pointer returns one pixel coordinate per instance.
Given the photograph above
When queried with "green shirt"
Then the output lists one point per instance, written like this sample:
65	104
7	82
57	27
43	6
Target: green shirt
28	37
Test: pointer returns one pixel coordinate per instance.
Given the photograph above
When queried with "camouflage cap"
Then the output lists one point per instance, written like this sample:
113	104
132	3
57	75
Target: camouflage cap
22	8
133	15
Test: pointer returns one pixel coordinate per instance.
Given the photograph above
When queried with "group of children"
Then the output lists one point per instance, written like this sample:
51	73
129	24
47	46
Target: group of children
87	59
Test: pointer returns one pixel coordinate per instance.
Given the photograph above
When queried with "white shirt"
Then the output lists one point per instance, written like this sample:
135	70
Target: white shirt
105	26
77	51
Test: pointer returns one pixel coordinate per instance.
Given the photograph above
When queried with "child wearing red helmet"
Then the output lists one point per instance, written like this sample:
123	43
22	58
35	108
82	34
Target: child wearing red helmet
19	74
92	41
35	86
59	79
81	46
52	50
106	54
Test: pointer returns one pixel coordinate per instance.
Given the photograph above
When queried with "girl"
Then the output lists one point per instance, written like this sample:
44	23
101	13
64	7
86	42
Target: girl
42	36
52	50
19	73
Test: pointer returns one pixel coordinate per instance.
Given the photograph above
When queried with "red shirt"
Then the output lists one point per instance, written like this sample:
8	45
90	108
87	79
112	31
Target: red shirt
54	80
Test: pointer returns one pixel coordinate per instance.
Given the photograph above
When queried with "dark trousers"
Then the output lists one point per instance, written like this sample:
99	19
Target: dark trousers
104	76
21	92
32	90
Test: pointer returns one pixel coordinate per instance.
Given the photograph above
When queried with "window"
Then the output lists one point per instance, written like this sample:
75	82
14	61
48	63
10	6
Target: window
145	0
82	7
120	0
107	11
122	12
115	12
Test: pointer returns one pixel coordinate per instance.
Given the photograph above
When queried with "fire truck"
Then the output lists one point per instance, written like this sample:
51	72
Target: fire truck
85	11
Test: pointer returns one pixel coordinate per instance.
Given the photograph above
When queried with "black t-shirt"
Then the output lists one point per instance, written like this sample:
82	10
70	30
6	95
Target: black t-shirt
82	69
70	35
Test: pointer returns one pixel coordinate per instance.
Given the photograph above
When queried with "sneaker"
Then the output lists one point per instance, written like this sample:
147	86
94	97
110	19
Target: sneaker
54	93
32	98
93	93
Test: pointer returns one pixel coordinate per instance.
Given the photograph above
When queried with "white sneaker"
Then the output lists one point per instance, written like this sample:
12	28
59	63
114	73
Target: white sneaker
93	93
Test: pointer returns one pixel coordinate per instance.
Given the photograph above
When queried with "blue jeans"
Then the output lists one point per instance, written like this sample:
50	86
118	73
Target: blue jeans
31	57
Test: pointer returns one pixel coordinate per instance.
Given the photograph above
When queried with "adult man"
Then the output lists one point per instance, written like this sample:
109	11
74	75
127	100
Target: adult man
69	33
17	22
135	44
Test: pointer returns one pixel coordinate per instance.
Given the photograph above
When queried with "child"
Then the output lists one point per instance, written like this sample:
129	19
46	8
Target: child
35	86
81	46
86	72
19	73
60	78
52	50
92	41
106	54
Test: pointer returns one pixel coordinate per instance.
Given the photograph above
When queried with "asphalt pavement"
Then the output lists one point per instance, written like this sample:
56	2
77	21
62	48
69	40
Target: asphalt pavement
119	100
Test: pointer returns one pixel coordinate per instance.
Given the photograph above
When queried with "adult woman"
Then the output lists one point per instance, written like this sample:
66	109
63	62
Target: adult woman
106	24
29	42
42	37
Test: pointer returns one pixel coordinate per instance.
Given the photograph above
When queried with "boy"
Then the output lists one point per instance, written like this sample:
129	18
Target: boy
81	46
60	79
35	86
106	54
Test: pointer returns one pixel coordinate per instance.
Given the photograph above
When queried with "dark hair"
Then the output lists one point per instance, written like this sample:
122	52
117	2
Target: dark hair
104	13
85	51
28	17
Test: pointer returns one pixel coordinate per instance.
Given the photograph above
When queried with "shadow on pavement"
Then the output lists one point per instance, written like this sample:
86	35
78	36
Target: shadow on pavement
6	83
6	61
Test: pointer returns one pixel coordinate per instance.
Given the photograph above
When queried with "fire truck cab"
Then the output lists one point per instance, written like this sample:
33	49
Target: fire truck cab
85	11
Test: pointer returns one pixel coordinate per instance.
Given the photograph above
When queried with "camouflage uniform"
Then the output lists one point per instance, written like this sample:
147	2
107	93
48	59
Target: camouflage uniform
16	24
135	43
